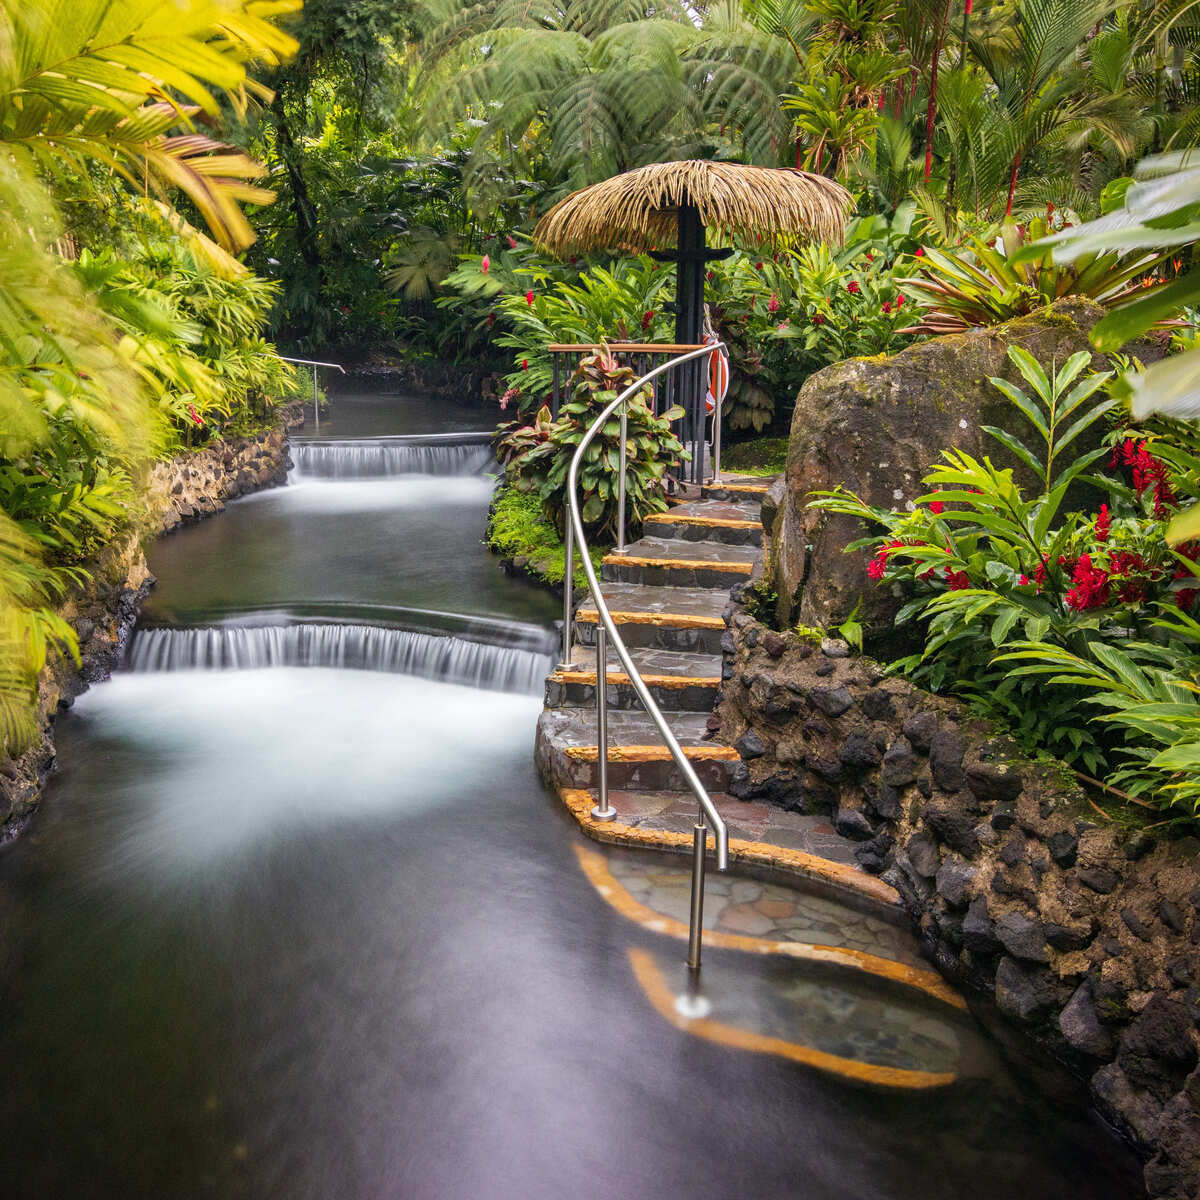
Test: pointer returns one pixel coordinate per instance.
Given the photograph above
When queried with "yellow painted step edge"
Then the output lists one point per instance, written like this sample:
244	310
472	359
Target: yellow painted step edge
688	564
658	992
675	620
651	754
595	867
579	803
659	681
716	522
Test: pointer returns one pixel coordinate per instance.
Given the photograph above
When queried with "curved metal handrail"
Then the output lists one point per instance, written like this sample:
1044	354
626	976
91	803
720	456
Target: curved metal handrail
709	810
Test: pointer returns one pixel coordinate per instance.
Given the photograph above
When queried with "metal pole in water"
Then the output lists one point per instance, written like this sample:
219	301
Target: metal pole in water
695	928
568	609
602	811
316	401
621	480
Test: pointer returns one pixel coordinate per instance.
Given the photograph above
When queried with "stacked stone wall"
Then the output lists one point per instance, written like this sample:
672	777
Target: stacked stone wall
1086	934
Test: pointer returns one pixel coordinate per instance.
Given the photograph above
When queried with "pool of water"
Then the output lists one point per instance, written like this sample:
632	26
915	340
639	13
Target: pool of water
313	933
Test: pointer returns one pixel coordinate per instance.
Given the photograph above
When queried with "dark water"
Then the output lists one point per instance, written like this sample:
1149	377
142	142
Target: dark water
310	933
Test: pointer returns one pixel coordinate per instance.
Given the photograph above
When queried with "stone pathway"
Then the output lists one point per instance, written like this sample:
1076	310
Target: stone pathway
668	594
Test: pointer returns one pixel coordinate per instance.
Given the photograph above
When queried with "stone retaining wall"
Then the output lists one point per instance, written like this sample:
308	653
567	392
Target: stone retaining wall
1086	935
104	610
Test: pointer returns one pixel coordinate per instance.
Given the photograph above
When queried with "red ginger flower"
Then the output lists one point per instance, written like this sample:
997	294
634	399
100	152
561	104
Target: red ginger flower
529	299
1091	586
887	308
647	319
853	287
818	319
485	264
195	416
773	304
919	252
937	507
1103	524
512	242
957	581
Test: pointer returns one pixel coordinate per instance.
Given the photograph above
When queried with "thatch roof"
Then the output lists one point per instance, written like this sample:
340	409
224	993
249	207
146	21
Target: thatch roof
638	210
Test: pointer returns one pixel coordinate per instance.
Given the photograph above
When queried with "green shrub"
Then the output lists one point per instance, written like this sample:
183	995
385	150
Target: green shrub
539	455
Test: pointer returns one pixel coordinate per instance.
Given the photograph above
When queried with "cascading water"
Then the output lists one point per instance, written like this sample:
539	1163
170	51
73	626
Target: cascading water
353	647
383	458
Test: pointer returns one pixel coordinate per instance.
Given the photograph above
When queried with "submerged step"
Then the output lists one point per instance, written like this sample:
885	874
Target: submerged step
351	647
679	562
677	680
670	618
385	457
638	759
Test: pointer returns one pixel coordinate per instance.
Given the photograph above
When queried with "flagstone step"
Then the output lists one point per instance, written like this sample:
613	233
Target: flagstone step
678	680
738	487
680	562
733	522
638	759
667	618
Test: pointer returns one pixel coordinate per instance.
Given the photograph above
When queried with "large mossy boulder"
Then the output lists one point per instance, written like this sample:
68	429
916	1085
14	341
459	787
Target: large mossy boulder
876	426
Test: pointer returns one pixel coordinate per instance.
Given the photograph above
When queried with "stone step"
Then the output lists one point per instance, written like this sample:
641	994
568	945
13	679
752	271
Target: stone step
678	562
678	681
740	487
638	760
666	618
735	523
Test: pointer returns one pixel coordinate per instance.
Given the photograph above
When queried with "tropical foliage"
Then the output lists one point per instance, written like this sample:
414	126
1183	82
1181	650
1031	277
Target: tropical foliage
538	456
108	353
1002	568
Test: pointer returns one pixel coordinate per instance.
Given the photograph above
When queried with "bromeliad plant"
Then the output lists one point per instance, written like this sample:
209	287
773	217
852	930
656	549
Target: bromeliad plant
995	568
988	281
539	455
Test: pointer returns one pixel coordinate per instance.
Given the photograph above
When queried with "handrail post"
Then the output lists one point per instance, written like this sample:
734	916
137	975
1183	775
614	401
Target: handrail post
621	479
696	924
602	811
568	584
316	400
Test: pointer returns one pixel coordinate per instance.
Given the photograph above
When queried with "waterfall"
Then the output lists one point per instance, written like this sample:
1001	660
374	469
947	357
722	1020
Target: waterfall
358	647
381	458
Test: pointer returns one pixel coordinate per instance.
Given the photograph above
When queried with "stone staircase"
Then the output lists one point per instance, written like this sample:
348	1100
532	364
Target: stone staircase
668	594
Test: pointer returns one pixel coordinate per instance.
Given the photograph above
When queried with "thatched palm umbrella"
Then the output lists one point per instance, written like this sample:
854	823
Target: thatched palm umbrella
651	207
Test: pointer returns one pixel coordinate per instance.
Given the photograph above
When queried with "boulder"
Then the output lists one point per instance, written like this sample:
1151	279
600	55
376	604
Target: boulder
876	426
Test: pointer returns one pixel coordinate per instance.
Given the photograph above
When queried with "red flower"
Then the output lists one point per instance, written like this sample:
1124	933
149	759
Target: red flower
485	264
919	252
1186	597
1103	524
937	507
529	299
899	299
512	242
1147	471
818	319
876	568
491	319
511	394
1091	586
957	581
887	308
1024	581
852	287
773	304
711	276
195	416
524	364
782	324
758	266
870	256
647	319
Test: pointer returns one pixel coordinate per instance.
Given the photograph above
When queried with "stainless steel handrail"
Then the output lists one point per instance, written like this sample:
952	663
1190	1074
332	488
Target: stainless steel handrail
312	362
575	535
